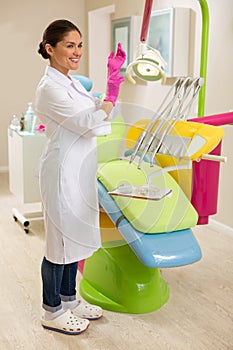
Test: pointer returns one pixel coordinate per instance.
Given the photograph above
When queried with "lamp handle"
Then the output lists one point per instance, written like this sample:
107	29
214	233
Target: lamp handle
214	158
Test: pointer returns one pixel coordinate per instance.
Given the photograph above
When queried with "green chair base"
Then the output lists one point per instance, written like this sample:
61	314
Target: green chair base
116	280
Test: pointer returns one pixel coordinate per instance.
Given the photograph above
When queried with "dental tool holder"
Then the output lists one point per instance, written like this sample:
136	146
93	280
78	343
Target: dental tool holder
156	135
149	191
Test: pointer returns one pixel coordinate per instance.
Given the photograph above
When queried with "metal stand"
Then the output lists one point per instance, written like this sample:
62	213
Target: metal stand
24	219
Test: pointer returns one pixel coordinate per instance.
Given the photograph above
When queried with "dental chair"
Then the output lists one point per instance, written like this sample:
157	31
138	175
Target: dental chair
145	235
139	237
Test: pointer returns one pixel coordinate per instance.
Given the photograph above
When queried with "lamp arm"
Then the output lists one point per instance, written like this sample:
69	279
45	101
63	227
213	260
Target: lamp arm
146	20
204	54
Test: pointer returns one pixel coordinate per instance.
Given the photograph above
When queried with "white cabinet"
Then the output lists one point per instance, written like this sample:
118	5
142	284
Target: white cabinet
24	153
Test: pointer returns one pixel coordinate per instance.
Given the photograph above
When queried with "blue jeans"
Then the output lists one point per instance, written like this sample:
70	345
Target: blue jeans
59	284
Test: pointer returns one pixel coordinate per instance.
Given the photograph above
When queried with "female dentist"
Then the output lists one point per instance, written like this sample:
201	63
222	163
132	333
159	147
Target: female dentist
72	119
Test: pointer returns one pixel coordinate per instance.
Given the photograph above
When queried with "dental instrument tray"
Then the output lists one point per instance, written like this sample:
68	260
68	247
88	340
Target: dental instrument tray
147	191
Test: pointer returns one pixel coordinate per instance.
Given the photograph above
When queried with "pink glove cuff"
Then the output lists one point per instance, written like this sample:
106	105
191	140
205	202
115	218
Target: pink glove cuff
110	99
113	87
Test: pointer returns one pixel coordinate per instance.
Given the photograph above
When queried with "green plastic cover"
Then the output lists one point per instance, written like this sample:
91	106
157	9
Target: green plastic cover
172	213
108	146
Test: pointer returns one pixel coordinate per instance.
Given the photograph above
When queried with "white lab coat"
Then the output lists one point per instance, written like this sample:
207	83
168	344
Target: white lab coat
68	167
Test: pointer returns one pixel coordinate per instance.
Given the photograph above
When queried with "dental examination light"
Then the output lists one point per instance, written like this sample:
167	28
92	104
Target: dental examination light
149	65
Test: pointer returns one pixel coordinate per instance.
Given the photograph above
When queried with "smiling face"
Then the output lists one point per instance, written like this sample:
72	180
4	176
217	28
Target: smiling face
67	53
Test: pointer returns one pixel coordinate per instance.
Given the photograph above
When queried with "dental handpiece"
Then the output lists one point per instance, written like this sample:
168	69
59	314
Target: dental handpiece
145	150
137	146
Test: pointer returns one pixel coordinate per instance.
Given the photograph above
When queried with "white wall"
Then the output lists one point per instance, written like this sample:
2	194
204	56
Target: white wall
21	26
99	26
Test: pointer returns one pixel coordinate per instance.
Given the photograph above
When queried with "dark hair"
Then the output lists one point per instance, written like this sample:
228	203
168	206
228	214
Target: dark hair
54	33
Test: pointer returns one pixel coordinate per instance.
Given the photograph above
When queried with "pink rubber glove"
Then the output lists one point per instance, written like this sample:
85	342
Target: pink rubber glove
115	63
114	79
